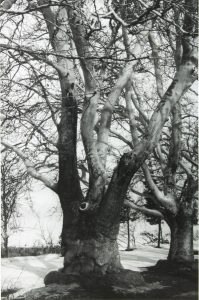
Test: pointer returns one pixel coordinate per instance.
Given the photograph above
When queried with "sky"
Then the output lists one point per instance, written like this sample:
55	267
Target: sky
40	218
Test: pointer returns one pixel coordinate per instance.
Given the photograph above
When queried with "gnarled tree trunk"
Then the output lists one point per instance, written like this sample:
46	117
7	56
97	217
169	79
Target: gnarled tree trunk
91	250
181	226
181	245
92	245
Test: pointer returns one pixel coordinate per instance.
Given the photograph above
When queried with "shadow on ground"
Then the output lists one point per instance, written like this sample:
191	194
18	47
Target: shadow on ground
160	283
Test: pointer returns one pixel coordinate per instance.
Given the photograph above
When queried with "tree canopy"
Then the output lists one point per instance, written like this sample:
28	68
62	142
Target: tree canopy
92	92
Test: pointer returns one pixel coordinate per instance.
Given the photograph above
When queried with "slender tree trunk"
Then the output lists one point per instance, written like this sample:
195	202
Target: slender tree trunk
5	243
181	245
5	237
159	234
128	234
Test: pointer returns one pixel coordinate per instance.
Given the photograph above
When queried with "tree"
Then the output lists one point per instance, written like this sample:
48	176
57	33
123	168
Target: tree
172	182
154	220
12	185
80	57
128	215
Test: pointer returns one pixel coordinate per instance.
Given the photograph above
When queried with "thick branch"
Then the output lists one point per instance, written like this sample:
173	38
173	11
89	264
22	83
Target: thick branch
30	167
132	121
156	59
166	201
132	161
144	210
97	177
175	143
106	115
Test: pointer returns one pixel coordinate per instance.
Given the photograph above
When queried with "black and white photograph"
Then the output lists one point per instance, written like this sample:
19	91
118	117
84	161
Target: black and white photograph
99	149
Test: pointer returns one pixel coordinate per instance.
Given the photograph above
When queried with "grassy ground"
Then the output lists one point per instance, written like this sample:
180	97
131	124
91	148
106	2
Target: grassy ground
160	286
26	273
175	286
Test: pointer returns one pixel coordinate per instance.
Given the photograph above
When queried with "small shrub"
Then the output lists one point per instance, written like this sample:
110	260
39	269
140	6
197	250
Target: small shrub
31	251
7	292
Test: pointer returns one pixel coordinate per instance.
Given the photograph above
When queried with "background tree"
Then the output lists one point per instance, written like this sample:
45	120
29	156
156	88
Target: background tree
81	60
13	181
171	177
154	220
128	216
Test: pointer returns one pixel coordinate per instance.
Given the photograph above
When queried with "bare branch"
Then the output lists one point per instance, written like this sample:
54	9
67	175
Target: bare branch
161	17
189	159
30	166
156	59
147	211
166	200
132	121
36	55
138	106
106	115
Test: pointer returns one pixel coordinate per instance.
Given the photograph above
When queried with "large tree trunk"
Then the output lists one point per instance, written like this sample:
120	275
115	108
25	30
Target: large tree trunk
92	247
181	225
181	245
90	250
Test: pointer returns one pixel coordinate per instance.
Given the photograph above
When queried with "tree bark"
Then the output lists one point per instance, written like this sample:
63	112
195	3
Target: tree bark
69	189
181	245
93	247
181	225
90	250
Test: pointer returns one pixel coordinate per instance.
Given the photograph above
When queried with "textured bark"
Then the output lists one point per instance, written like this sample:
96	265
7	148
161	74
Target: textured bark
98	254
94	245
89	249
69	189
181	247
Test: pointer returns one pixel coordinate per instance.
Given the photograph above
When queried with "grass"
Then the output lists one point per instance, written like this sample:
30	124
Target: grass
7	292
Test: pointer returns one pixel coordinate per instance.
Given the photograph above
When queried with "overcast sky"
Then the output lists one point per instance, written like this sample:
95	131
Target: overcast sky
39	216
